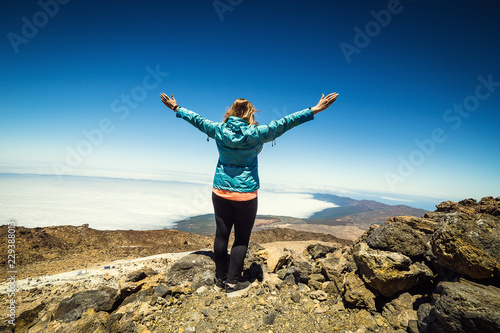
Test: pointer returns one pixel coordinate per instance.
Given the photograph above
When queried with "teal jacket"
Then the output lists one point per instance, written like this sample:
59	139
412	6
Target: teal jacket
239	144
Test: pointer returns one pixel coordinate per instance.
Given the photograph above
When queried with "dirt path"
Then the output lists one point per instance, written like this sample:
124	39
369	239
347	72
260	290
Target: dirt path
106	273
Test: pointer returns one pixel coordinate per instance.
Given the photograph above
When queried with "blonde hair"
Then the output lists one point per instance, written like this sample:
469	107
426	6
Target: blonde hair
243	109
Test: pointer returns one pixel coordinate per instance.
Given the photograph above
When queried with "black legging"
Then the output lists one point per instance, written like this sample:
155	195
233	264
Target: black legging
241	214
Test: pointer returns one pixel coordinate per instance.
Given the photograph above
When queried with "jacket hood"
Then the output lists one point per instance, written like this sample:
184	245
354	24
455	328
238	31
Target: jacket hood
235	123
235	131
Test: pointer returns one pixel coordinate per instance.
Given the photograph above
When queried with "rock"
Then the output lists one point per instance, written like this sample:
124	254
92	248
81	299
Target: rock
140	296
39	327
27	318
269	318
330	288
188	267
317	277
201	290
467	307
205	327
335	266
195	316
191	329
304	288
356	294
135	311
283	272
421	224
90	321
319	250
451	207
272	280
208	312
72	308
291	278
389	272
363	318
142	329
129	288
399	312
206	279
412	326
319	310
490	206
276	258
161	290
288	275
261	254
296	297
398	237
469	245
315	284
136	276
426	317
184	289
303	268
320	295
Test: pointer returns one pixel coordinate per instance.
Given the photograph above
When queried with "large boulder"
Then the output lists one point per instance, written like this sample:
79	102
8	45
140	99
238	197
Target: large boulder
489	205
389	272
400	312
398	237
356	294
469	244
335	266
190	268
71	309
276	258
319	250
423	225
28	317
90	321
302	268
365	319
466	307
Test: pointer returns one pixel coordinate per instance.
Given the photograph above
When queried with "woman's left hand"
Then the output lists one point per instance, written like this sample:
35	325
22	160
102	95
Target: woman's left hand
325	102
170	102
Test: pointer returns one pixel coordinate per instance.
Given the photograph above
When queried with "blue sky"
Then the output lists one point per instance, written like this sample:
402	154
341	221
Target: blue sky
419	85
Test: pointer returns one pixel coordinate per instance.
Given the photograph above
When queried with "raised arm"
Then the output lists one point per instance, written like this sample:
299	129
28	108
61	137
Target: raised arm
206	126
278	127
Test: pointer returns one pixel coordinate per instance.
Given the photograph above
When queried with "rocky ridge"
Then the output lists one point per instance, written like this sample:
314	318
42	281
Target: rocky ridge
437	273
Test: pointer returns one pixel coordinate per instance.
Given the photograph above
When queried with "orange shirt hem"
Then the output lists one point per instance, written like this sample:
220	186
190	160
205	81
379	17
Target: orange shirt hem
235	196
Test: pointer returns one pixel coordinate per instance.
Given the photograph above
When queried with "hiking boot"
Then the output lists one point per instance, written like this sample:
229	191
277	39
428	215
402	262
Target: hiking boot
220	285
238	289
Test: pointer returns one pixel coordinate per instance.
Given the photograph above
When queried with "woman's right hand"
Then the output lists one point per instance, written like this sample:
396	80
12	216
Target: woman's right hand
170	102
324	102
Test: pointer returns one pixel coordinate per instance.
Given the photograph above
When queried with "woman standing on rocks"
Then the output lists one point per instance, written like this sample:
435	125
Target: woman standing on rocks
234	195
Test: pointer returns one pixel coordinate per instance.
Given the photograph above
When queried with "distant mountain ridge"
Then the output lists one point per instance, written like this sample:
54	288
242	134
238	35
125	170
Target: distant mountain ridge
350	213
364	212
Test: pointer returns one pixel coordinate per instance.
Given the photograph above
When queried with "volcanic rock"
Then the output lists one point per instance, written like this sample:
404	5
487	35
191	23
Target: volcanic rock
72	308
398	237
389	272
189	267
467	307
400	311
469	244
357	294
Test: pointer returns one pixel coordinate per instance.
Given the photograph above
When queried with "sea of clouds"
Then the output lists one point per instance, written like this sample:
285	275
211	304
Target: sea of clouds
111	203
